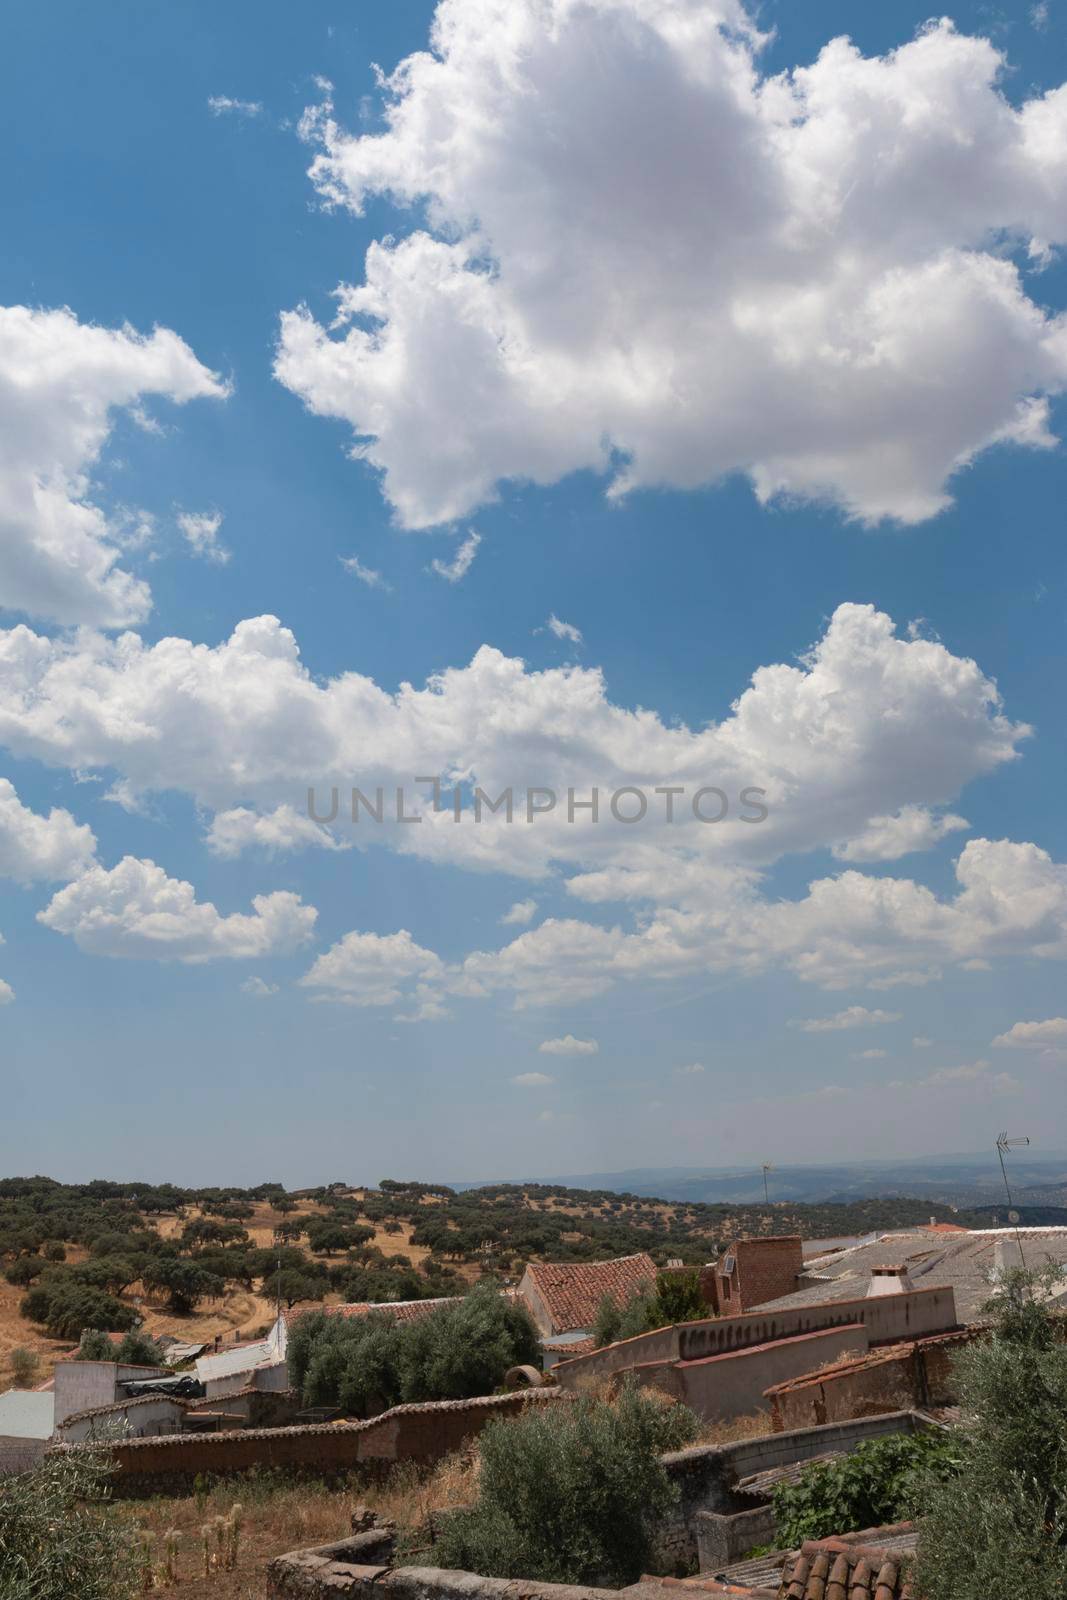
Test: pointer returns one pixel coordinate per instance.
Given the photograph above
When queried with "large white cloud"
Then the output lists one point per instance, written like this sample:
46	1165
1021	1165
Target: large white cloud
61	380
38	848
635	245
136	910
865	726
847	931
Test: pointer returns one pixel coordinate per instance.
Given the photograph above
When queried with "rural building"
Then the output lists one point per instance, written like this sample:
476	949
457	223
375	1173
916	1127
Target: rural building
564	1297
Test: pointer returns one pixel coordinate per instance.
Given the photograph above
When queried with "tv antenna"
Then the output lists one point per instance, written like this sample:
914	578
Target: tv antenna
767	1167
1004	1144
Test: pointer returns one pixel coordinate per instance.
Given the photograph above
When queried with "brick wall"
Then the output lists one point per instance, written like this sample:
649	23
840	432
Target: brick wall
918	1374
419	1433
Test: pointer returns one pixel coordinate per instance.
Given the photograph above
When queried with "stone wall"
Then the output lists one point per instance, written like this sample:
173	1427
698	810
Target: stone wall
419	1433
329	1572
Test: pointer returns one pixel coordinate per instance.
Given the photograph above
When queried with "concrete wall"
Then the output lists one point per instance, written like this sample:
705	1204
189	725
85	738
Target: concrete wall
160	1415
83	1385
888	1319
918	1374
419	1433
19	1455
732	1385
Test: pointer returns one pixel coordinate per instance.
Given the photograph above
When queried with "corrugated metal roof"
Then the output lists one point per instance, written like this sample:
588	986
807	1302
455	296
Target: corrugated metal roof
241	1358
27	1414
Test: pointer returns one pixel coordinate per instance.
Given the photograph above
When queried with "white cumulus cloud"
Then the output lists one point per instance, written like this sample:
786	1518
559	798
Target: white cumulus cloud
278	832
371	969
135	910
61	383
851	1017
200	529
533	1080
569	1046
519	914
36	848
7	993
813	278
888	838
1034	1035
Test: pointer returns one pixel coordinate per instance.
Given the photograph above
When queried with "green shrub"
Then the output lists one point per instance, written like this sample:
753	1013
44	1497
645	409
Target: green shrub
881	1481
94	1346
1001	1528
363	1364
675	1297
24	1365
571	1493
66	1307
57	1540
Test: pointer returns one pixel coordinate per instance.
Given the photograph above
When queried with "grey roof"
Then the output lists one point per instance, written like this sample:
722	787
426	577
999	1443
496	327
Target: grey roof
27	1414
964	1262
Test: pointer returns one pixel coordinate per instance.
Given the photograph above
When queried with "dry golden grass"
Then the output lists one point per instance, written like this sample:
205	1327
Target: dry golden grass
276	1518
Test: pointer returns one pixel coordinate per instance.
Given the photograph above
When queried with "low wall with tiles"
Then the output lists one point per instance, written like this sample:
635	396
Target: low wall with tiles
910	1375
887	1318
418	1433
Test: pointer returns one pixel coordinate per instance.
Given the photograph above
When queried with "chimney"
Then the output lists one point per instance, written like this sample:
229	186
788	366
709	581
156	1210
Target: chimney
892	1279
1007	1257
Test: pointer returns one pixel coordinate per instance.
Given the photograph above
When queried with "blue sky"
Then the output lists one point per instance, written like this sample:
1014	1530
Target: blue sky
668	282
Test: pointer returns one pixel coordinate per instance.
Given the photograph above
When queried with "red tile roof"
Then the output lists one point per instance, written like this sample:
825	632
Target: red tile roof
572	1291
399	1310
859	1566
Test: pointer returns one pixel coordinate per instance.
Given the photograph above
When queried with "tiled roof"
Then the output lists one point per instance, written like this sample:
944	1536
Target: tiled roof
399	1310
572	1291
857	1566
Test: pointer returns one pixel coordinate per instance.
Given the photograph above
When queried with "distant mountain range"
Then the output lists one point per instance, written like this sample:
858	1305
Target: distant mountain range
957	1180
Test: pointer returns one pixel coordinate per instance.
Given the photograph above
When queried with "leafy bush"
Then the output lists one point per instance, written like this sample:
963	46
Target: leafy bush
67	1307
24	1365
570	1494
364	1364
1001	1528
94	1346
879	1482
138	1349
675	1297
57	1542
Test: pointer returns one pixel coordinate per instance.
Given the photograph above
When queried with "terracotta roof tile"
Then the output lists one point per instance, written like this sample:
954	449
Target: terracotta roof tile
572	1291
399	1310
872	1565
